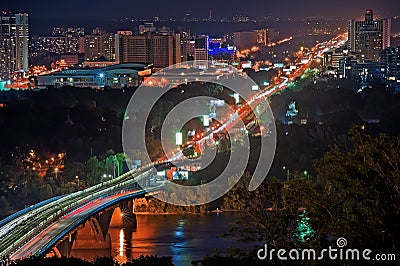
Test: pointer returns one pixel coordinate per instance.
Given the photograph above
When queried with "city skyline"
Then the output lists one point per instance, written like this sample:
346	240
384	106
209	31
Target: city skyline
88	10
144	131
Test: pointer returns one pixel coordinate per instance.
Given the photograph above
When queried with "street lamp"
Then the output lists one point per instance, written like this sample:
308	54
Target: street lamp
287	173
56	170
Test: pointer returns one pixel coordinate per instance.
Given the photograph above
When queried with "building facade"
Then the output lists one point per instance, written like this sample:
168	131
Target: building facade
247	39
100	45
62	41
149	48
390	68
14	37
201	49
369	37
59	45
113	77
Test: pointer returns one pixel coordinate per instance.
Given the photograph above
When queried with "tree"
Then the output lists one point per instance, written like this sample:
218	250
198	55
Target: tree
214	89
271	216
94	171
4	206
46	192
355	194
159	111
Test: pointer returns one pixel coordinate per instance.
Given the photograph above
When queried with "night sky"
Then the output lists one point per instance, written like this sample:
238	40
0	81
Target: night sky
106	9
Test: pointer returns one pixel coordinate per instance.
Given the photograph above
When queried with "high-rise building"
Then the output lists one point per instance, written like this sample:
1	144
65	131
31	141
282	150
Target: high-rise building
14	37
99	45
148	48
262	36
390	67
220	50
59	45
147	27
201	48
184	38
247	39
62	41
369	37
346	66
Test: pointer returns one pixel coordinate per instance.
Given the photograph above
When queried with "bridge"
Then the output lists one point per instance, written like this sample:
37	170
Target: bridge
37	229
60	224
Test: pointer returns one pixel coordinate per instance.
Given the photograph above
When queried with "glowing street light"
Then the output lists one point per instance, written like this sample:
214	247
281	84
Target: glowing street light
287	173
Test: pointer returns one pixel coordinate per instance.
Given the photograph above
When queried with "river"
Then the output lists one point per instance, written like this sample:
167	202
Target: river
185	238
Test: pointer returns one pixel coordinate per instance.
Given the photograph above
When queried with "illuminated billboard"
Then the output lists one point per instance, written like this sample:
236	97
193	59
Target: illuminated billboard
206	120
180	175
179	138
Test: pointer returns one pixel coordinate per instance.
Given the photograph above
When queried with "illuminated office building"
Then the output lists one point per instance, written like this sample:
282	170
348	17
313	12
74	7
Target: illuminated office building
14	37
149	48
369	37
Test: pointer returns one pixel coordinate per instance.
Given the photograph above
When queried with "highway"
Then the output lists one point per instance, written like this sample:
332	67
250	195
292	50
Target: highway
35	229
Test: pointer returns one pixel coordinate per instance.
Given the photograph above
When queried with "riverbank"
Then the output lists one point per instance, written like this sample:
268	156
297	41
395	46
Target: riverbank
218	211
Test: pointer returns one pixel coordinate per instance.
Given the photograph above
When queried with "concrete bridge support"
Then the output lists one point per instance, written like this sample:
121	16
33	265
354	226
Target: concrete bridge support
64	247
90	236
93	234
54	252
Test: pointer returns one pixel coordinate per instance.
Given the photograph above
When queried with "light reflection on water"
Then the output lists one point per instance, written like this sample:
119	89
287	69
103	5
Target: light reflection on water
122	240
183	237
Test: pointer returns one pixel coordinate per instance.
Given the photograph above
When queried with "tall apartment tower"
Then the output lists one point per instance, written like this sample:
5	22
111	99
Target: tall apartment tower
390	67
149	48
369	37
14	37
201	48
100	44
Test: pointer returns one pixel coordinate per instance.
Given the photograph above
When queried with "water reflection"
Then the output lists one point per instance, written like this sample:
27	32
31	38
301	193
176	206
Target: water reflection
179	249
185	238
122	241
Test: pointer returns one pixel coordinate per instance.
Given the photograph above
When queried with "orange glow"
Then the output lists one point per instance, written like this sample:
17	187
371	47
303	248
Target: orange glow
121	242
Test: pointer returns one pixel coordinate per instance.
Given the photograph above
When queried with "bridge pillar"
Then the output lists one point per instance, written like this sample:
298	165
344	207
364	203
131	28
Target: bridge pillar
90	236
139	204
54	252
64	247
104	219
